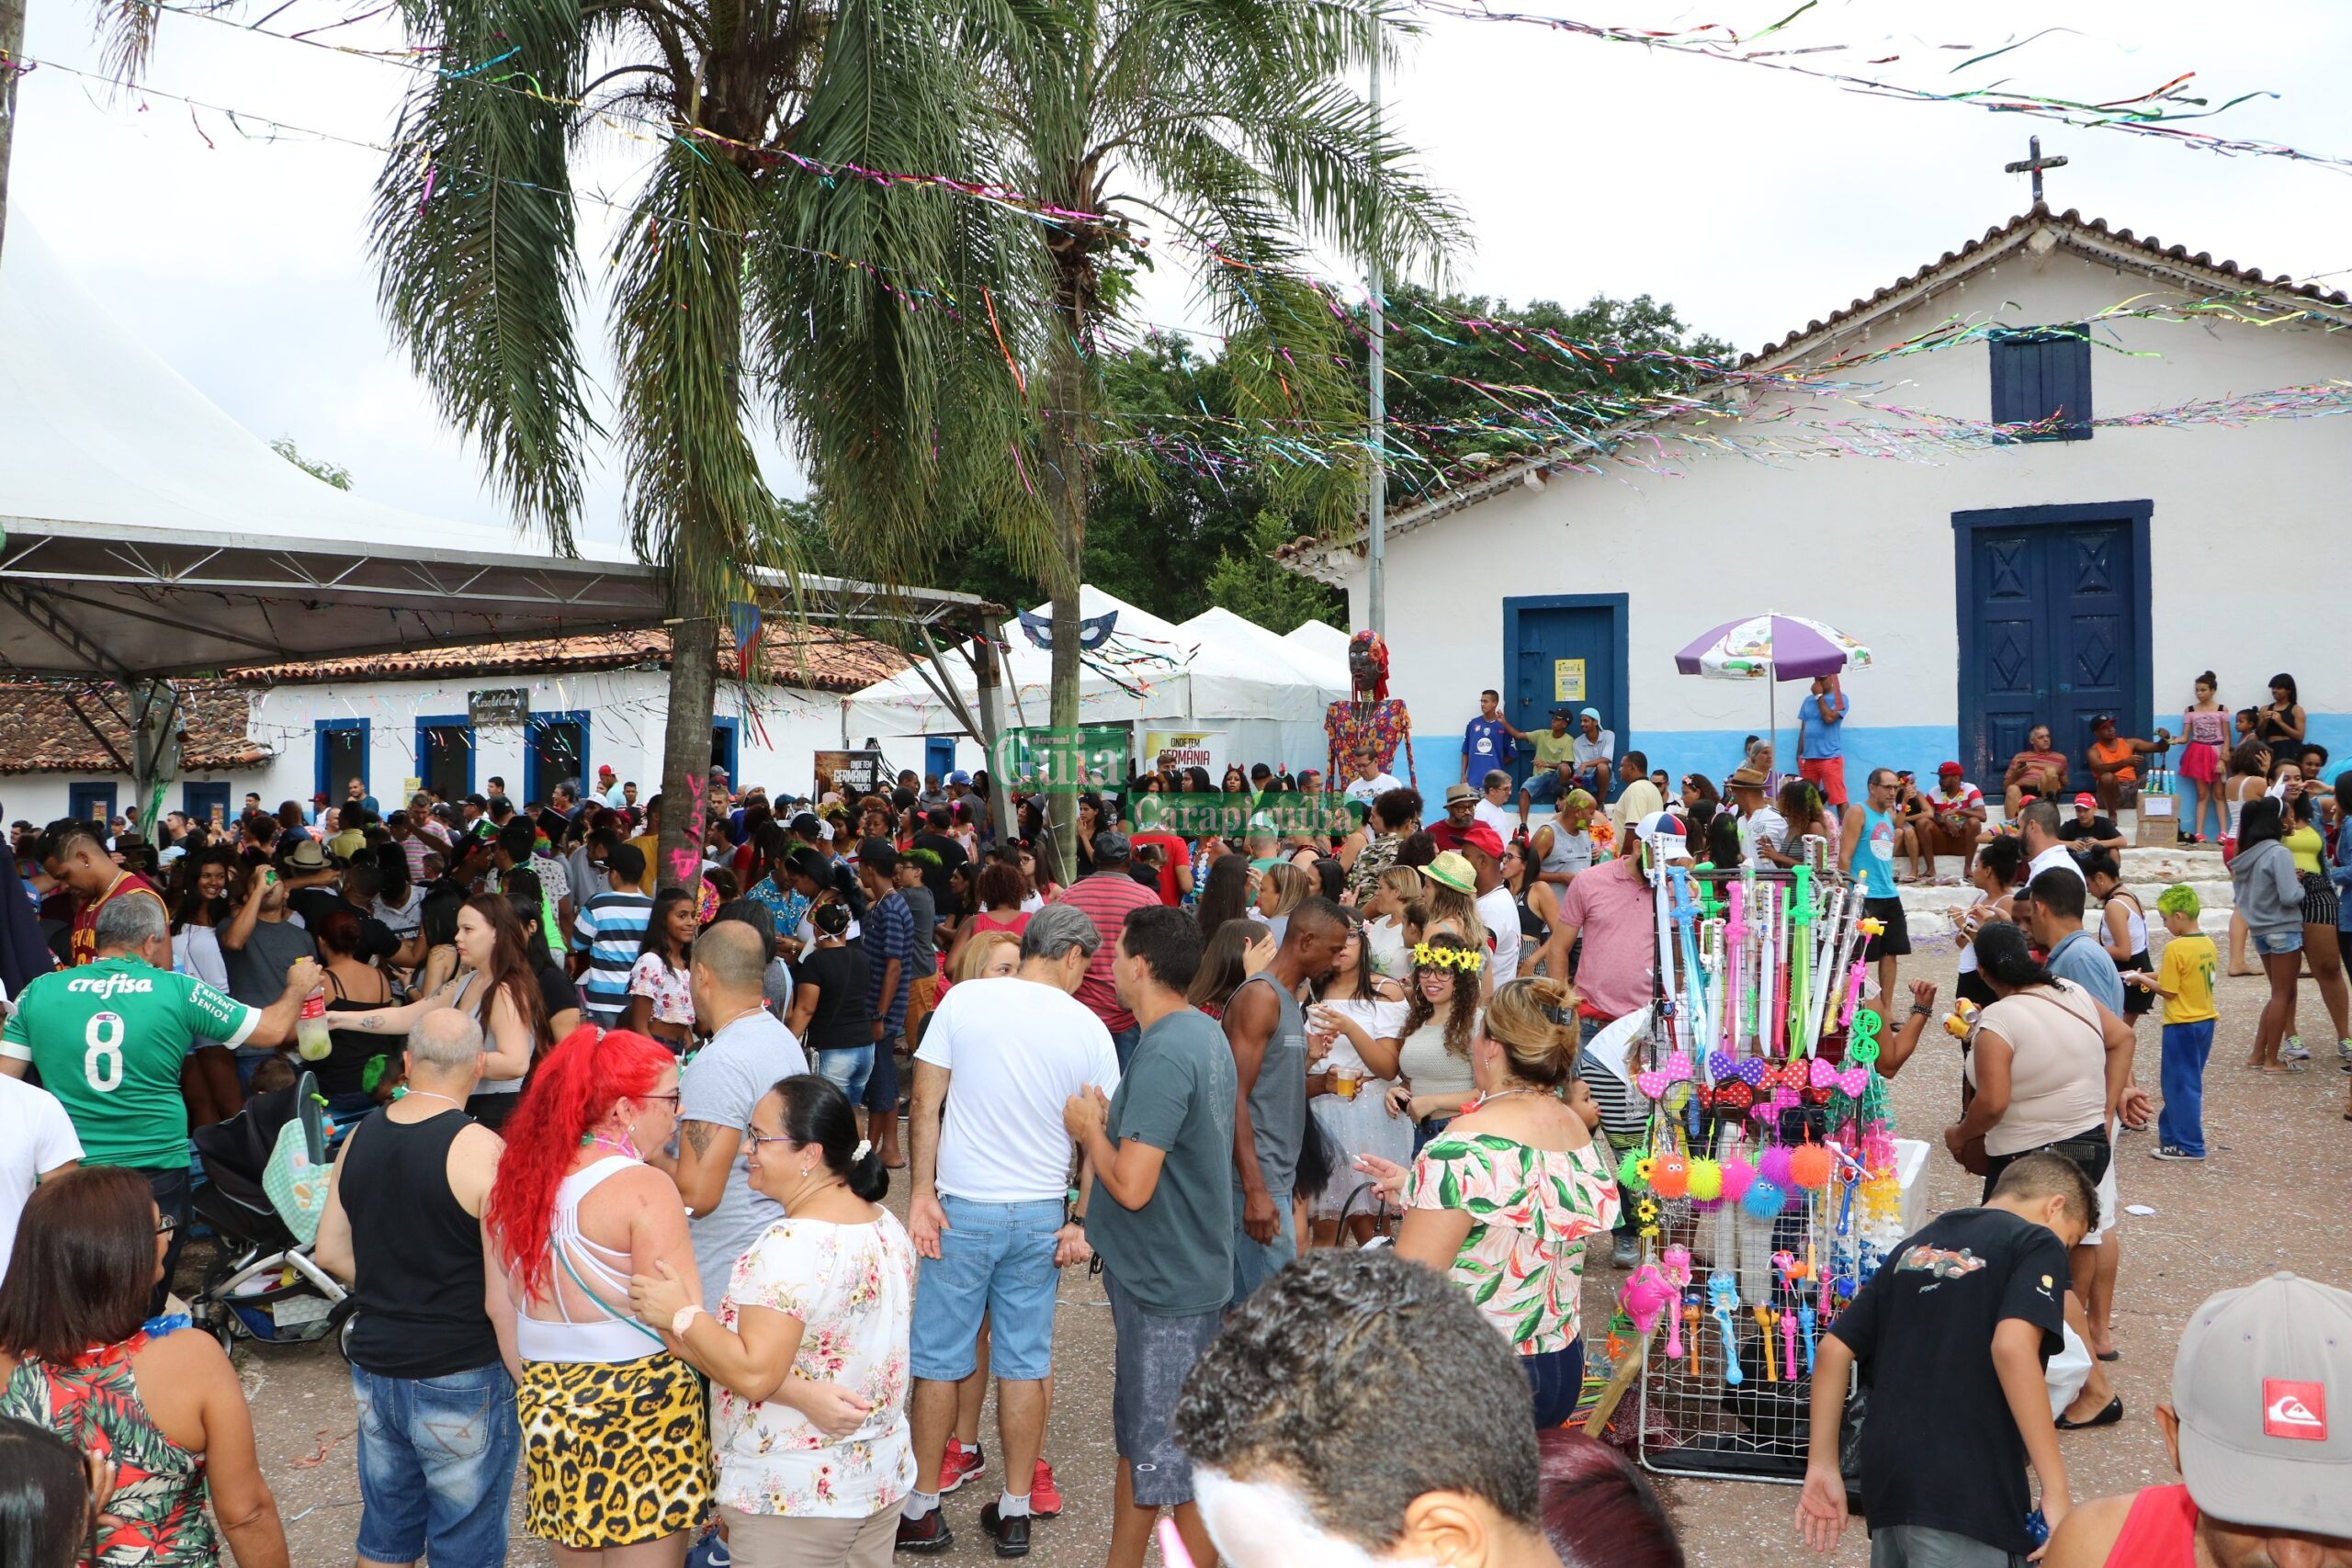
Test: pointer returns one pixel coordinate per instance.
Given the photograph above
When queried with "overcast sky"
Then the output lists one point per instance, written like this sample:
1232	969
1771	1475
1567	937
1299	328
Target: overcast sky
1750	198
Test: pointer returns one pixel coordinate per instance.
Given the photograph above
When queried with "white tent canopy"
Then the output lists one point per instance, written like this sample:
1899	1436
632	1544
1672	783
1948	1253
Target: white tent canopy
147	533
1217	672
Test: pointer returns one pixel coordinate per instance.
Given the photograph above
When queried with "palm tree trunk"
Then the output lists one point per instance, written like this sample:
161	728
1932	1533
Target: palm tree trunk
1065	451
685	747
12	47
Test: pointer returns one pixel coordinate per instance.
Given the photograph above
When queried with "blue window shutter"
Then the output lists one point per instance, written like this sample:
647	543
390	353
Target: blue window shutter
2042	372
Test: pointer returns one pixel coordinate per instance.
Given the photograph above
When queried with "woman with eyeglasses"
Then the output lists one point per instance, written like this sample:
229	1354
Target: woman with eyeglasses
79	1358
809	1350
616	1428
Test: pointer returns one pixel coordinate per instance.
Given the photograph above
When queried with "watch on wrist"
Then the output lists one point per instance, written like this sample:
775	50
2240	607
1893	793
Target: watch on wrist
683	1316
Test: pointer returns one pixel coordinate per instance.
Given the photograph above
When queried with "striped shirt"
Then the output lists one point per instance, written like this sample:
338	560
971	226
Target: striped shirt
611	928
890	934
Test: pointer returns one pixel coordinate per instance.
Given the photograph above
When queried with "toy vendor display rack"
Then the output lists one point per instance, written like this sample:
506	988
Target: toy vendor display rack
1764	1190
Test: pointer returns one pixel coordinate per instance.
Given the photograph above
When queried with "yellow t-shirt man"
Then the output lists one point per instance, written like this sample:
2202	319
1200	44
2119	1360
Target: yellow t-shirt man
2186	975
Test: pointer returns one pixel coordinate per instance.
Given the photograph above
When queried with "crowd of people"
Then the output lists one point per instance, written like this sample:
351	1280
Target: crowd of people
611	1156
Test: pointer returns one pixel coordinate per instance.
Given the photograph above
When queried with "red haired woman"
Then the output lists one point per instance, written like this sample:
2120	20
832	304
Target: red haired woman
616	1428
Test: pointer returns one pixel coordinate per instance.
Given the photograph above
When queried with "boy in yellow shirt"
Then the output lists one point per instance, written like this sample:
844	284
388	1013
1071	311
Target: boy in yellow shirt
2185	979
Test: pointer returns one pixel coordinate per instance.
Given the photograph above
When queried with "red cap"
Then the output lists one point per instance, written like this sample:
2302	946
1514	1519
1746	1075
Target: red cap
2089	800
1949	770
1481	836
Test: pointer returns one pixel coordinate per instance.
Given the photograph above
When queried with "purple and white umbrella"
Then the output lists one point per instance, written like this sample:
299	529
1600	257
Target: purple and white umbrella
1773	647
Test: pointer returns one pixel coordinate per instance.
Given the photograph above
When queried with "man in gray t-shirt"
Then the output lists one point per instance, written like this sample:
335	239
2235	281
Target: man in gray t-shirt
749	1053
1267	1030
259	942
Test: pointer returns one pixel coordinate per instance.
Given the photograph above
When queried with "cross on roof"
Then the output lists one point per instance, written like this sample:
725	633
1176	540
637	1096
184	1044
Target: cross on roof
2033	163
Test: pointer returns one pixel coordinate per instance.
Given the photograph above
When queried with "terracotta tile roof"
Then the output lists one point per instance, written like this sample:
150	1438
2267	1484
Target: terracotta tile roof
40	734
2092	237
819	657
2094	230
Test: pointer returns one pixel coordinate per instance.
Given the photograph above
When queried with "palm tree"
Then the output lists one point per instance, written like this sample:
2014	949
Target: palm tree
742	282
1230	127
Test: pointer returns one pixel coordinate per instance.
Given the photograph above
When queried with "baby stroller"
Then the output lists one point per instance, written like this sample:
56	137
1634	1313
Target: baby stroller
262	1284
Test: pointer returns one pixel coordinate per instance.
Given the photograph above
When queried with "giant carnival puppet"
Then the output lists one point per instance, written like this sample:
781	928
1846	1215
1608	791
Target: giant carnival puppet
1370	717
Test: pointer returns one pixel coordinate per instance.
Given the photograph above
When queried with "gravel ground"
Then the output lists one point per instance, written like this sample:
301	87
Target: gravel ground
2269	1197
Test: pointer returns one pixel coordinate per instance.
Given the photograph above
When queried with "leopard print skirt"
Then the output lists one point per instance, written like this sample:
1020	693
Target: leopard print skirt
614	1453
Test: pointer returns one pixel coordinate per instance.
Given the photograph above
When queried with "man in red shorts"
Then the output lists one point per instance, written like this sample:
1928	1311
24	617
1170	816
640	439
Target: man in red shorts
1821	739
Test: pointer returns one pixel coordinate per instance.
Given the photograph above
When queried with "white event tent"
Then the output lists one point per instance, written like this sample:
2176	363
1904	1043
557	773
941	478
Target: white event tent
1264	695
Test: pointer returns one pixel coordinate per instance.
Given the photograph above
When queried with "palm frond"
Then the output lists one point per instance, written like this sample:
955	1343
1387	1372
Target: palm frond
472	237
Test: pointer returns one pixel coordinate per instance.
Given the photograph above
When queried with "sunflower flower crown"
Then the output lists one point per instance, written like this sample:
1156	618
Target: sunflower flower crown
1468	959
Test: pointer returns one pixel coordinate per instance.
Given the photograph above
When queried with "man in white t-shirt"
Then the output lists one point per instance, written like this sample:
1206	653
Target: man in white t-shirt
2046	851
1370	782
1498	911
988	1213
1494	805
37	1144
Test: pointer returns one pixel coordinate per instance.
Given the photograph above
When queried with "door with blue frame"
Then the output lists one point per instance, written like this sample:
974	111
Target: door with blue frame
445	756
200	800
726	743
1559	651
90	802
556	754
341	757
2053	629
938	756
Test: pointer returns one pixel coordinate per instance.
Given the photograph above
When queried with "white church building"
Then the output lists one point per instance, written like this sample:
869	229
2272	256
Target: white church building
2174	519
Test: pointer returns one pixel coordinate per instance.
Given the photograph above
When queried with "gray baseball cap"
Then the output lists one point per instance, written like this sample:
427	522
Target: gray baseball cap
2258	1371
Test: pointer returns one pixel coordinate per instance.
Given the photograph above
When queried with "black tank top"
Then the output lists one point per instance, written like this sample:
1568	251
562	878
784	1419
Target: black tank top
417	1252
343	1070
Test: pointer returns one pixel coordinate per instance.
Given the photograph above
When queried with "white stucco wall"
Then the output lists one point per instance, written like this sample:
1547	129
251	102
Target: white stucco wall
625	712
2246	537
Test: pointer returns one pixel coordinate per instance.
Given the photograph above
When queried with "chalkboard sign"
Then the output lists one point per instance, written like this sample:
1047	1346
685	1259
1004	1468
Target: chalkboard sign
500	705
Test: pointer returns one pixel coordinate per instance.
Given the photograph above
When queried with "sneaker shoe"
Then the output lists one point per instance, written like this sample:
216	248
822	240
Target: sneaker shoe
1625	1252
2172	1151
2344	1054
927	1535
2293	1050
1045	1497
960	1464
1011	1535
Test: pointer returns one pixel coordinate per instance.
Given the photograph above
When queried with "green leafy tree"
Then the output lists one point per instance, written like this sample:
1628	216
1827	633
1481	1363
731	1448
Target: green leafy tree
1473	380
1232	128
1250	582
319	469
743	284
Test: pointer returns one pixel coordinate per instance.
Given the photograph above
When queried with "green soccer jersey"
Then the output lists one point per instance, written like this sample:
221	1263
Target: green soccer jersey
109	1039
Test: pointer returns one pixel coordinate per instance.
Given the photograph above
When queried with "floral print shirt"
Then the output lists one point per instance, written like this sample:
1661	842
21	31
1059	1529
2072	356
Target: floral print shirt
853	1287
1530	1211
156	1517
673	999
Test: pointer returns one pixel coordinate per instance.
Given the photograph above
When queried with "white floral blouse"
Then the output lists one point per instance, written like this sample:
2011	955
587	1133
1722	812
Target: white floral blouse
853	1287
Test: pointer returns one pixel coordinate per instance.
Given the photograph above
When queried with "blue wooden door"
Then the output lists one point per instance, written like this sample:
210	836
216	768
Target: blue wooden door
939	756
2053	629
1562	651
199	801
90	802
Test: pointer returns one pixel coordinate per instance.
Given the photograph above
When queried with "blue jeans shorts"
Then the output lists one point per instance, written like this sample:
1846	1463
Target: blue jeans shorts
1255	1262
847	1070
437	1465
996	1259
1543	785
2271	945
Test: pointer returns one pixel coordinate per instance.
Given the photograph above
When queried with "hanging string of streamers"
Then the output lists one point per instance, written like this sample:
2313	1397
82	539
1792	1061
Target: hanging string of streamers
2158	112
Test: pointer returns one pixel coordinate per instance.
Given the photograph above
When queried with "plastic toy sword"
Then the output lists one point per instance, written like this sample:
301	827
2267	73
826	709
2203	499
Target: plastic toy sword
1805	1315
1764	1334
1736	935
1723	1294
1800	958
